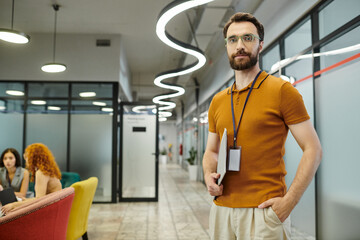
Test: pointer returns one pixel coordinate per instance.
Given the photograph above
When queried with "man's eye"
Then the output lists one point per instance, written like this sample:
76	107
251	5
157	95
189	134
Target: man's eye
247	38
232	39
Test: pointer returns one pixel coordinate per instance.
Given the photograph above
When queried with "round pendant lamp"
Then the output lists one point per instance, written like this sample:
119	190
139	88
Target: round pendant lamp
54	67
11	35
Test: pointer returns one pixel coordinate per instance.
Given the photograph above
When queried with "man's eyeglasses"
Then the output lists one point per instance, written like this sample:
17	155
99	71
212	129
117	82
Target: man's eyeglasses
246	38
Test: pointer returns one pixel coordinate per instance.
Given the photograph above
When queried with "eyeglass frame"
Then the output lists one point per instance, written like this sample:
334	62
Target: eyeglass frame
241	37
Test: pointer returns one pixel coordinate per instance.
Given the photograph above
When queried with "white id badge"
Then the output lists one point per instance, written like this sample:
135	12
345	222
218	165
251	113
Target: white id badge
234	159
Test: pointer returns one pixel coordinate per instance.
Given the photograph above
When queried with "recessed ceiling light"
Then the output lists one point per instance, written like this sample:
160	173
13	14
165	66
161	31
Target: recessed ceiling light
162	119
38	102
14	93
99	103
87	94
107	109
2	107
54	108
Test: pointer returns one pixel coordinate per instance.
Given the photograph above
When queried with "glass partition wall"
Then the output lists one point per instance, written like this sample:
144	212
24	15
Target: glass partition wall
329	209
77	121
12	115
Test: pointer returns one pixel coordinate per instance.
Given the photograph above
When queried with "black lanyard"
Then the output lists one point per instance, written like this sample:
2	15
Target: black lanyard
232	107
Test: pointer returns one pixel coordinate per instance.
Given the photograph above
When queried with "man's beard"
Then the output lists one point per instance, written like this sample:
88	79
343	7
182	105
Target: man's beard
244	63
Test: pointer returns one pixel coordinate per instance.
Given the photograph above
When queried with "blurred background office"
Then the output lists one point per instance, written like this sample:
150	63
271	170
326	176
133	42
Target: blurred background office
86	114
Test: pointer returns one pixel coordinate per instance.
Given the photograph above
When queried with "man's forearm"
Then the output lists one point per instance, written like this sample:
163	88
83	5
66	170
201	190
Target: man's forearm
209	162
308	165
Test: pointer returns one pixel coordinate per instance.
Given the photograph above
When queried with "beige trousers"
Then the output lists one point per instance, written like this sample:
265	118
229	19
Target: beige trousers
247	224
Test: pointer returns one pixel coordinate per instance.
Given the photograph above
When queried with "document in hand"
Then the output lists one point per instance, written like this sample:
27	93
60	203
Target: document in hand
221	164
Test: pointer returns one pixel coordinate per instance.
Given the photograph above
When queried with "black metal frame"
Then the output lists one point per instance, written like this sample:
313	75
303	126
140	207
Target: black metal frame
69	98
156	198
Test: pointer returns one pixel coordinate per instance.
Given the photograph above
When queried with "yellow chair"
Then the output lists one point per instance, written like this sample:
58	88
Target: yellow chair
78	220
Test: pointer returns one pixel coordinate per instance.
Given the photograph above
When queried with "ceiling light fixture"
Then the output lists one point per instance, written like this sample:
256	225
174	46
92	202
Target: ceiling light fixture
54	67
54	108
14	93
290	79
38	102
99	104
11	35
286	61
87	94
143	109
107	109
170	11
163	113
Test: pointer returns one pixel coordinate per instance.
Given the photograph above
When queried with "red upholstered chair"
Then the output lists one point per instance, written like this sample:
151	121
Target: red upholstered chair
42	219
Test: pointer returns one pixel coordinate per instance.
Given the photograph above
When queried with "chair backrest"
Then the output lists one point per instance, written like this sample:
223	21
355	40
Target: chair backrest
84	195
69	178
42	218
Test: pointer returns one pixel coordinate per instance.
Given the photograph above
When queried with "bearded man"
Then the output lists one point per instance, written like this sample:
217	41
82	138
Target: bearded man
252	201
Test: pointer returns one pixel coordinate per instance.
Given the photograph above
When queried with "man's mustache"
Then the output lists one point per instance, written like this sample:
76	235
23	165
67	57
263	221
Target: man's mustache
241	52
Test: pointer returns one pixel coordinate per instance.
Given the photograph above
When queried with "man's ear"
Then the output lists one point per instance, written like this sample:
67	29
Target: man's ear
261	46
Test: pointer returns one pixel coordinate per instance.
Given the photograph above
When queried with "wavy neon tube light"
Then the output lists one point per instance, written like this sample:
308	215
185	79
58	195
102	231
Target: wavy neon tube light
284	62
170	11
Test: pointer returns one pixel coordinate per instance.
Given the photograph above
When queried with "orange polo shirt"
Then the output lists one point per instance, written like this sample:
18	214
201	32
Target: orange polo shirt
272	106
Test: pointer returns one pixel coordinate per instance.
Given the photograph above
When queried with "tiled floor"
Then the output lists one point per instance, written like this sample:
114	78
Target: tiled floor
181	213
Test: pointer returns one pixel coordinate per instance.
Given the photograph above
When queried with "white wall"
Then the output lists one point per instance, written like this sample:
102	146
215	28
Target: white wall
85	61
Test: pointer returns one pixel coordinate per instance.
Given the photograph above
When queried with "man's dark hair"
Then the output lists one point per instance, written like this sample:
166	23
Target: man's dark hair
245	17
16	154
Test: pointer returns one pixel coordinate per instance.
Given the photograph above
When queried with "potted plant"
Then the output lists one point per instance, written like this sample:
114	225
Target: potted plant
192	167
163	156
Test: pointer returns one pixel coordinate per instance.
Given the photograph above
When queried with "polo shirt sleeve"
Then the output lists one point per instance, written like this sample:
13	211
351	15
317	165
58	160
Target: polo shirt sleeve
292	106
211	117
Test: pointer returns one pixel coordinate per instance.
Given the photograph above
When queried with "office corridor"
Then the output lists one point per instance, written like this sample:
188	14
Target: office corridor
181	213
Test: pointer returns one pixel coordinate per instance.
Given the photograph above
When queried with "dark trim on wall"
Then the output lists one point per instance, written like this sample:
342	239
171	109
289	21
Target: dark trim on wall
114	144
157	155
68	130
121	113
316	67
25	120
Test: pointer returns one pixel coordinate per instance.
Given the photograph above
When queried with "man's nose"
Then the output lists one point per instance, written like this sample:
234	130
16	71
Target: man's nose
240	44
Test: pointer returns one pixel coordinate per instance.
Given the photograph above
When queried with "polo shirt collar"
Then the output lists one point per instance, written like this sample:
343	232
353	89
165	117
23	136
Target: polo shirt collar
263	75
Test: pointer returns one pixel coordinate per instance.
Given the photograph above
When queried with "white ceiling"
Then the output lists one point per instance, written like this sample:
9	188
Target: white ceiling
134	20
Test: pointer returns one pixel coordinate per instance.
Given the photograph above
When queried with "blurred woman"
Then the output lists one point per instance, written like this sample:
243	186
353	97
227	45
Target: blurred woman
41	164
43	168
12	175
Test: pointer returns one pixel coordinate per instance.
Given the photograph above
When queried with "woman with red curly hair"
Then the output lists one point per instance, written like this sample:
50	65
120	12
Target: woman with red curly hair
43	168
